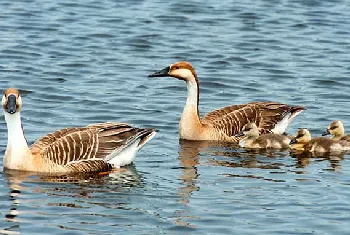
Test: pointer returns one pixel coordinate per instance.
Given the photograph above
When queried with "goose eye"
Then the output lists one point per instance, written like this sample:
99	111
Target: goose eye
177	67
333	127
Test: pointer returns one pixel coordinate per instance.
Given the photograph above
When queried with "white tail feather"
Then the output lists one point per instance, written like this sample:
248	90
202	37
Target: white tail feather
282	125
127	155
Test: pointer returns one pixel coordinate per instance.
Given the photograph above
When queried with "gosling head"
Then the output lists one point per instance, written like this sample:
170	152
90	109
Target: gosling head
302	136
249	130
335	128
11	101
181	70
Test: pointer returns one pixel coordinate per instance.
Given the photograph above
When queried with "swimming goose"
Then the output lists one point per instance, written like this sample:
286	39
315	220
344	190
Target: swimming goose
96	147
336	129
303	142
252	139
224	123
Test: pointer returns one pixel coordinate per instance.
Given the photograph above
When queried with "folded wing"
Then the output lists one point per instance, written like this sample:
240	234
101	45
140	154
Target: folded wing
87	148
266	115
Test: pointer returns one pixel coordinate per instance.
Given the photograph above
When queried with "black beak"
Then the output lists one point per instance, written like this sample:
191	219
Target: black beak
293	141
11	104
239	134
161	73
326	133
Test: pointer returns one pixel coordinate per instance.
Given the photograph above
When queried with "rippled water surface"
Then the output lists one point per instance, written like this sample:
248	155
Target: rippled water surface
81	62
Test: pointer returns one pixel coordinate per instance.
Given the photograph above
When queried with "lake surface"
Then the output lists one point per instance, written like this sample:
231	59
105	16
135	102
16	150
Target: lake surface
81	62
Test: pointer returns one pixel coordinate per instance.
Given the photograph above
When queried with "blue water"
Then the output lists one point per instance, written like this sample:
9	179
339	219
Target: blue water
81	62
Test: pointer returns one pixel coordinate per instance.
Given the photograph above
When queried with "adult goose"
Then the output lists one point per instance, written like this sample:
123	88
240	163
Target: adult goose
252	139
96	147
224	123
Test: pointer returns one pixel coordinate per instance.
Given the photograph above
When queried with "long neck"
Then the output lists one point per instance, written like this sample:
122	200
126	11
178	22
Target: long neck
17	148
190	121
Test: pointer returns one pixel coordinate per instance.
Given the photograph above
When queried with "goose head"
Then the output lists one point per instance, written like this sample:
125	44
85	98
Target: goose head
249	130
181	70
335	128
302	136
11	101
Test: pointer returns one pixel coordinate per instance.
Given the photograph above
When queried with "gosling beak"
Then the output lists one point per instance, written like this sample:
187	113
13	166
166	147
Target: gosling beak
293	141
11	104
161	73
239	134
326	133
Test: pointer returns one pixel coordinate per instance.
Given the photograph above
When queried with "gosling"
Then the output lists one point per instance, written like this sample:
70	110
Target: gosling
303	142
252	139
336	129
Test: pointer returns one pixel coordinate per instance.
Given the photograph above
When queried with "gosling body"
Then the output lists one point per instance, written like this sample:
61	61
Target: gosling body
304	142
252	139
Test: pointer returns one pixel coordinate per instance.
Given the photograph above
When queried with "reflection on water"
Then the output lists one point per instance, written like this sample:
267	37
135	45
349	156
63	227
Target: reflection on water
72	189
189	156
303	159
87	61
189	159
232	156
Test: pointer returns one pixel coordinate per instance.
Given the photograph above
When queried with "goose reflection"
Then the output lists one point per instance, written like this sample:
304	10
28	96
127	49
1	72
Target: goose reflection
247	158
303	159
189	156
220	154
189	159
225	154
71	188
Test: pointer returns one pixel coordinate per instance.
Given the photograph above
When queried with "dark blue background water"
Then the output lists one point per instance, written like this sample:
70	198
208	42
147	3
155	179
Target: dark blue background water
80	62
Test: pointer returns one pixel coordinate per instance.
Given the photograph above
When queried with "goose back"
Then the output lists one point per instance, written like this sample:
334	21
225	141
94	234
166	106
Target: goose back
265	115
85	148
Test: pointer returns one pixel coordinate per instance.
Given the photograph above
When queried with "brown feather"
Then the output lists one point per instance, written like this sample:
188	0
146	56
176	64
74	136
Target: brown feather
231	119
77	149
92	165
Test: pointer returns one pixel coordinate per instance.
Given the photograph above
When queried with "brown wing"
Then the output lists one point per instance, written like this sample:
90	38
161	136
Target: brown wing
221	113
264	114
89	166
67	145
116	138
73	146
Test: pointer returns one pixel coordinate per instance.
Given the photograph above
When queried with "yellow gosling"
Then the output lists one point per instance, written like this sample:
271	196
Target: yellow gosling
303	142
96	147
252	139
223	124
336	129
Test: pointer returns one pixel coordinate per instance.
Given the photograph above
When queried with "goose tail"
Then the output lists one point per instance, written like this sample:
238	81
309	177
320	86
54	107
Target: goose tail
282	125
127	154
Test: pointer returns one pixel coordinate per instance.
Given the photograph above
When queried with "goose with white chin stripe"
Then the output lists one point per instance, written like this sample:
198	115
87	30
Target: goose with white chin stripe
94	148
223	124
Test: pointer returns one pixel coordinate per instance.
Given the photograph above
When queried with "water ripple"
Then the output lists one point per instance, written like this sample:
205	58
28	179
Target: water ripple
81	62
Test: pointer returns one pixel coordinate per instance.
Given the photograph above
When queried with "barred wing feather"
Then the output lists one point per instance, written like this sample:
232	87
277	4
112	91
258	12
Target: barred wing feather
86	147
231	119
